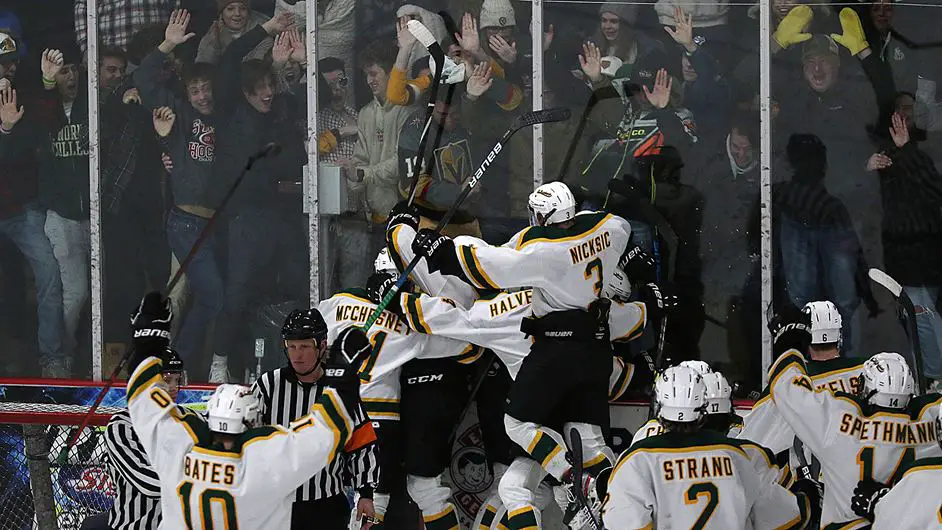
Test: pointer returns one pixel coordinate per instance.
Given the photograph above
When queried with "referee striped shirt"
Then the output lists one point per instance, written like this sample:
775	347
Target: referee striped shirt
286	399
137	488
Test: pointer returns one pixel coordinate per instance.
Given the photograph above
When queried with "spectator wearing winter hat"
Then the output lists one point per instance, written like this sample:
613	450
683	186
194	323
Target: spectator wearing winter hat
498	31
235	19
432	21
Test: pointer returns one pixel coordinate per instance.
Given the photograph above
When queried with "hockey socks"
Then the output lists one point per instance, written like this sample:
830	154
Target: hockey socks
525	518
544	445
447	519
433	499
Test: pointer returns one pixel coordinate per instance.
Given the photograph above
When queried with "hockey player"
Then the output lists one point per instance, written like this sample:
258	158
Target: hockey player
689	477
566	259
286	395
912	504
868	436
137	488
226	471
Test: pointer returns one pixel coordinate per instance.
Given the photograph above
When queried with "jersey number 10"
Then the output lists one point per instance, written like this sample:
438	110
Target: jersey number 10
206	500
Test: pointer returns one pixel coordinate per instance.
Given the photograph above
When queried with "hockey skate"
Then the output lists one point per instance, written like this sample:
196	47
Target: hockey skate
219	370
576	516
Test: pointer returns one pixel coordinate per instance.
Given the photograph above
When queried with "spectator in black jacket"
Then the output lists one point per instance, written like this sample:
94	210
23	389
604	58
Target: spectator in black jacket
260	232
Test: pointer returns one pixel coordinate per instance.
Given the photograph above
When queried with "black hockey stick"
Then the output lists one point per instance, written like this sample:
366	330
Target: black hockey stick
423	35
909	314
272	149
524	120
808	472
486	367
575	443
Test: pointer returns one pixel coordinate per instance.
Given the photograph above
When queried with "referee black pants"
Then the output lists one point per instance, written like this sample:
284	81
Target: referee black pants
332	513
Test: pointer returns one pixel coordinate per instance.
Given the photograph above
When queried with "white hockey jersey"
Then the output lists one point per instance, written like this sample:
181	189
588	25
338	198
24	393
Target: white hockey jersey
250	487
703	480
653	427
494	322
433	283
915	502
566	267
851	439
394	344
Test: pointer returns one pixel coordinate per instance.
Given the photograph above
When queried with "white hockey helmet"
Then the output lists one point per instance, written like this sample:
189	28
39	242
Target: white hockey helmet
233	409
681	395
825	322
551	203
617	288
701	367
718	393
384	263
469	241
887	380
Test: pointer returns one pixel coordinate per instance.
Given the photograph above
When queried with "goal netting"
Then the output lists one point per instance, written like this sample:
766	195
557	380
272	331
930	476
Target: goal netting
43	488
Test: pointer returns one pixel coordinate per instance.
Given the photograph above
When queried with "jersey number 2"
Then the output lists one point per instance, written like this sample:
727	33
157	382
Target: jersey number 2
692	496
594	269
206	500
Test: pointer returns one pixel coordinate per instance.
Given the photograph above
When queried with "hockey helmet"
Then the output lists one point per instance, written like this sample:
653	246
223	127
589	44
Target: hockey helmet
718	393
617	288
304	324
551	203
887	381
680	394
825	322
701	367
233	409
384	263
173	364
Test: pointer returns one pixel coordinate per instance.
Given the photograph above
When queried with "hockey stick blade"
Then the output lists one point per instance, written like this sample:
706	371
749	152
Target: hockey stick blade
520	122
575	442
886	281
421	33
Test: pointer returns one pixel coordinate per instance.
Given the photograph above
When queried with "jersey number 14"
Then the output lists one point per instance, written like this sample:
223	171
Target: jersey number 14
206	500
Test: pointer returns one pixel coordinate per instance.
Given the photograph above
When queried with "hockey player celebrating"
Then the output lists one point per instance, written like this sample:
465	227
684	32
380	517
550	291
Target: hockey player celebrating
689	477
137	488
228	471
867	436
566	259
912	504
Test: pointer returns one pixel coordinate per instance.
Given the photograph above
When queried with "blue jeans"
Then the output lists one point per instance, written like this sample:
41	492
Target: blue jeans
826	253
928	327
203	276
27	232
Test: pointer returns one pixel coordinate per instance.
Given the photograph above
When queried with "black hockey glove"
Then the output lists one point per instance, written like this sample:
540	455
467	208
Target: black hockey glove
638	265
346	352
439	252
811	490
150	323
658	300
377	285
866	496
403	214
790	329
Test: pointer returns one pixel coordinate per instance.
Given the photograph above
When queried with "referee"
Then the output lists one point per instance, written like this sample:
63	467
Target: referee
287	394
137	488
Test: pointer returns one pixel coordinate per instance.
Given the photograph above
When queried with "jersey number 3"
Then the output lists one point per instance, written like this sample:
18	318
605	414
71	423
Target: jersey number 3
593	269
692	496
206	500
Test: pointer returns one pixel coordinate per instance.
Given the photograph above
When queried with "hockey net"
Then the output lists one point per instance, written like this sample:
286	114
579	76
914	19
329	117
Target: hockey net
43	488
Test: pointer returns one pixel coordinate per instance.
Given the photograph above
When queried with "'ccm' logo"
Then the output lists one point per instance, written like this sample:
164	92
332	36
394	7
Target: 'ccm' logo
151	333
335	372
424	379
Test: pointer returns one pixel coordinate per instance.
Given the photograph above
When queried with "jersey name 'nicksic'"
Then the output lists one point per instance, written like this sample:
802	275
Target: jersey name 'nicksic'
587	249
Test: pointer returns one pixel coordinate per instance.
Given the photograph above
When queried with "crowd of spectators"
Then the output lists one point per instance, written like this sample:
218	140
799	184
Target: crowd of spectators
664	94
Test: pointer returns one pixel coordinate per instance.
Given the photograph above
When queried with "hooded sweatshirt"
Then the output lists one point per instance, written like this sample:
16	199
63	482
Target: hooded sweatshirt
208	51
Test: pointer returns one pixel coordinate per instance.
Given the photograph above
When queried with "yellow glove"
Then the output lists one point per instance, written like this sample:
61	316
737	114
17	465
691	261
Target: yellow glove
791	30
853	34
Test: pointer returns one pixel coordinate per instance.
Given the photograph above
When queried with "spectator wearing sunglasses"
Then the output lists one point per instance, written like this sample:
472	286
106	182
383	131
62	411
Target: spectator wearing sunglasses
337	122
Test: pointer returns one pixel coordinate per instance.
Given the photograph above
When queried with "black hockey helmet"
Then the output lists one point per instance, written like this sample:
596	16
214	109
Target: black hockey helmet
172	362
304	324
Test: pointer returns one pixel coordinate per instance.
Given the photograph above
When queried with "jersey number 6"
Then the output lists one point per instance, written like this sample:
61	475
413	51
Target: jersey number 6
206	499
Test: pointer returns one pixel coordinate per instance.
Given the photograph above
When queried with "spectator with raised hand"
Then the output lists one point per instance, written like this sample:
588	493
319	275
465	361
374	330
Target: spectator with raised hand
337	122
190	142
235	19
416	51
119	20
498	27
261	227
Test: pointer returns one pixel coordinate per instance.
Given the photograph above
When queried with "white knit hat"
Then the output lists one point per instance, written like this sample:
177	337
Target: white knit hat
497	14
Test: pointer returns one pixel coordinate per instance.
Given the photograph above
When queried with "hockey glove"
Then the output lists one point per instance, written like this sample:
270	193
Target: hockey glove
791	30
638	265
658	301
852	34
866	496
150	323
812	491
439	252
403	214
791	330
377	285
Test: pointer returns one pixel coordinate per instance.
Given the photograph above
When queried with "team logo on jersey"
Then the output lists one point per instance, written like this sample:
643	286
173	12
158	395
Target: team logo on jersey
454	161
469	471
202	144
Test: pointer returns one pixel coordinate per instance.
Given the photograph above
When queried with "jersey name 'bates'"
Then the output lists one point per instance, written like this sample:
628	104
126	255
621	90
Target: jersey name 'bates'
219	473
587	249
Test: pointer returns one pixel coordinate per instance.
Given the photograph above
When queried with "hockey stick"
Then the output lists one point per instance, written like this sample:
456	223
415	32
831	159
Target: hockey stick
525	120
486	363
272	149
808	472
575	443
423	35
909	311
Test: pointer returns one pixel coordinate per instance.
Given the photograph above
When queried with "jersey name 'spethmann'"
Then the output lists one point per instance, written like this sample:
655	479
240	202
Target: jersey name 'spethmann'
891	432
